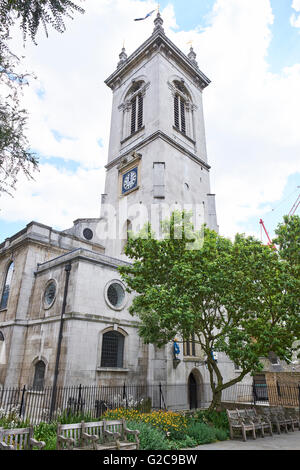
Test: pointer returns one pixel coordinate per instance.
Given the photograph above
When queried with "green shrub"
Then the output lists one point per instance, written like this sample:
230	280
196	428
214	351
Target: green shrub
68	418
221	434
145	406
217	419
187	442
47	433
177	434
201	433
11	420
150	437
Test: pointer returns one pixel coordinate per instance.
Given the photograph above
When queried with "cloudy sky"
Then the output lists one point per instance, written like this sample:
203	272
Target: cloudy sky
250	49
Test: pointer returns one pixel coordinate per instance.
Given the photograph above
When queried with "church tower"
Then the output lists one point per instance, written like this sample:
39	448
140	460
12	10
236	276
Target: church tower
157	159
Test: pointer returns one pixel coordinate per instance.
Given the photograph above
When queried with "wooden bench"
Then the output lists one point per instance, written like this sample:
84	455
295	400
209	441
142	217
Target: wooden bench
97	435
68	436
277	418
242	425
293	415
283	414
19	439
261	423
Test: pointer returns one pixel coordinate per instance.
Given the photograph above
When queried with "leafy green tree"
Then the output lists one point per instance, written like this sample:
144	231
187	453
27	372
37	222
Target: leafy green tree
15	154
32	13
288	241
288	244
236	297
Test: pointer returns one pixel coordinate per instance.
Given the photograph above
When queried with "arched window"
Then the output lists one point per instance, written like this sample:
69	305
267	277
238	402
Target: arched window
133	108
1	336
181	105
112	349
136	113
179	113
39	375
6	286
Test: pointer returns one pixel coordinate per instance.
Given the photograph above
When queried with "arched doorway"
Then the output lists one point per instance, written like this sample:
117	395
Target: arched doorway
192	388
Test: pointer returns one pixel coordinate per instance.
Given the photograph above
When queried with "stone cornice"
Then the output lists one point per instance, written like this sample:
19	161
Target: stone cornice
166	138
27	240
27	236
71	316
157	42
81	254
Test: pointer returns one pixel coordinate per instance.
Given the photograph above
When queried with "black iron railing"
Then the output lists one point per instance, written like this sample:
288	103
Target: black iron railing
47	404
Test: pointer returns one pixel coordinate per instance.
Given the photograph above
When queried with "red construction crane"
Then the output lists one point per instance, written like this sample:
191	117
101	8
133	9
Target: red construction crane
295	206
292	212
266	232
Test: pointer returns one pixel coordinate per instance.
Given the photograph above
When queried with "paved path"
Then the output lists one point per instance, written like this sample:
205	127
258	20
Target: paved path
290	441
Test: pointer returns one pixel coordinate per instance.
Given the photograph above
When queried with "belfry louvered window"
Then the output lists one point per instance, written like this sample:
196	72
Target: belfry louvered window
179	113
136	113
182	100
112	349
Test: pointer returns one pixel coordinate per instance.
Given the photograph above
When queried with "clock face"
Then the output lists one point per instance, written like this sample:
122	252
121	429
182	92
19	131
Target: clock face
129	180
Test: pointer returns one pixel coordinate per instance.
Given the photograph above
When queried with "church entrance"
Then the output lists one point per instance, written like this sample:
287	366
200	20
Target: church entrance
192	387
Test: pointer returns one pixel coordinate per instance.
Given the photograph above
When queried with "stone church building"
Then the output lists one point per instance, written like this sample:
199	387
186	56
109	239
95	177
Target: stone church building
61	290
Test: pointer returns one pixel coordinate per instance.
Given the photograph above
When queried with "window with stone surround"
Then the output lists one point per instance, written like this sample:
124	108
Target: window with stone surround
50	294
112	349
115	295
183	109
39	375
6	286
189	346
133	109
179	113
136	113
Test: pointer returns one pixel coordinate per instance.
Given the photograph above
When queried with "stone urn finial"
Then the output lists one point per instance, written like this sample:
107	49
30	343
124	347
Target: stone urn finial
192	56
158	22
122	57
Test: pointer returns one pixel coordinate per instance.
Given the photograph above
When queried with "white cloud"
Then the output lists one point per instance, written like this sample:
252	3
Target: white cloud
296	5
55	198
251	114
295	19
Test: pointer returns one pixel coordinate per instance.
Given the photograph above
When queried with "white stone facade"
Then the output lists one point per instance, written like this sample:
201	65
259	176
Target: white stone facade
171	168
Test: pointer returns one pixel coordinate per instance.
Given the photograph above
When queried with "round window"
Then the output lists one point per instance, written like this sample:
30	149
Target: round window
88	234
115	295
49	294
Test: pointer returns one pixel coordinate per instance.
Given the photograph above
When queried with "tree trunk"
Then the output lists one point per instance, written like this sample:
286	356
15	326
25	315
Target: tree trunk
216	400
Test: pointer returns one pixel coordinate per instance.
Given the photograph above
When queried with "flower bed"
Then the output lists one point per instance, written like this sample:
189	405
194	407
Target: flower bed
167	421
159	430
177	430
